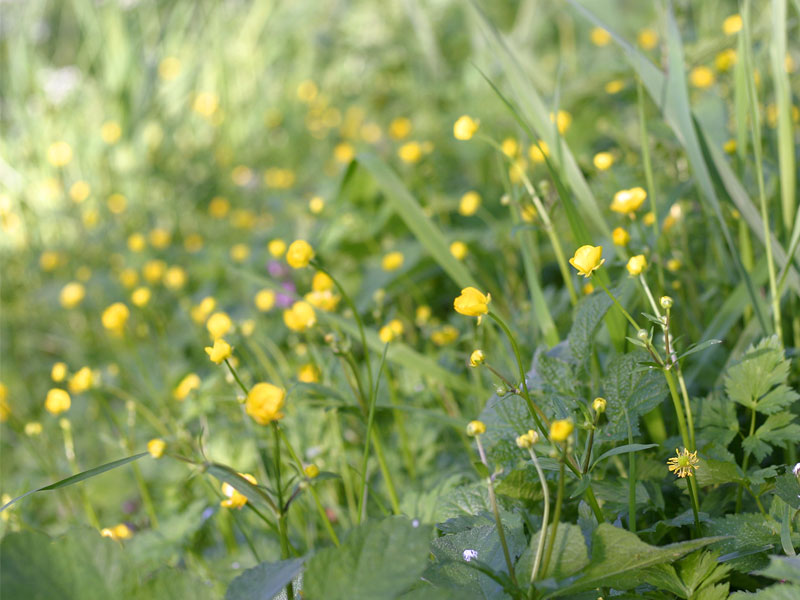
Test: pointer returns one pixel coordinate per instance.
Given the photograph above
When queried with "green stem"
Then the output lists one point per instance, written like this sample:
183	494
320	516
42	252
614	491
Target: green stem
687	405
282	525
676	402
631	479
692	485
545	516
556	515
619	306
647	291
746	461
496	511
236	377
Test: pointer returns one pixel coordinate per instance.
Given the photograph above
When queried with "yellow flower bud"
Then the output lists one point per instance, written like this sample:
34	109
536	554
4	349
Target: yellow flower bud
587	259
265	300
276	248
732	24
264	403
475	428
666	302
599	405
72	294
218	325
299	254
458	249
184	388
560	430
58	372
300	316
392	261
527	440
81	381
636	264
599	36
57	401
469	204
603	160
476	358
235	499
156	447
628	201
219	351
115	316
311	471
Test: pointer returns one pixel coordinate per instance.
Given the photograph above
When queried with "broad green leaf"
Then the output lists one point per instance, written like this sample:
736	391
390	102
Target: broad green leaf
716	420
783	568
172	584
265	580
750	536
521	484
619	557
588	315
717	472
777	430
83	476
788	488
569	554
784	591
626	449
378	560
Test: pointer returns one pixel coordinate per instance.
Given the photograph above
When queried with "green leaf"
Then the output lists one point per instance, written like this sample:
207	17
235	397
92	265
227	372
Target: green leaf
521	484
782	568
699	347
78	477
786	591
227	475
264	581
619	557
758	381
716	420
717	472
626	449
379	559
788	488
777	430
749	534
172	584
588	315
570	554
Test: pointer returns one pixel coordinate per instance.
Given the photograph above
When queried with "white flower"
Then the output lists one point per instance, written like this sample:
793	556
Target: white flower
796	470
470	554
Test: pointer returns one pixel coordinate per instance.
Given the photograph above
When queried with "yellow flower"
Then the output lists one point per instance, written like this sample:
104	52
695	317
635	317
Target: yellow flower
200	312
344	152
141	296
636	264
560	430
647	39
153	270
307	91
5	408
79	191
599	36
599	405
472	302
81	381
538	152
603	160
311	471
684	464
458	249
510	147
701	77
615	86
392	261
160	238
587	259
32	429
265	300
400	128
620	237
115	316
628	201
300	316
528	213
59	154
175	277
185	386
219	351
49	260
587	288
469	204
110	131
219	324
730	146
732	24
666	302
299	254
465	127
57	401
118	532
136	242
673	265
410	152
527	440
264	403
562	120
58	372
322	282
72	294
308	374
475	428
276	248
205	104
390	331
725	59
477	358
219	207
444	336
316	205
128	277
234	499
422	315
240	252
169	68
649	218
323	299
156	447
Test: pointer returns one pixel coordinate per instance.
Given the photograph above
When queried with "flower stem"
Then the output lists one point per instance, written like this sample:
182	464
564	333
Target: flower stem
556	515
619	306
647	291
676	402
282	525
545	516
496	511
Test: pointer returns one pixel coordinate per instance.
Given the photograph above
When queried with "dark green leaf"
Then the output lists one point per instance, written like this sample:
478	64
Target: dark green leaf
264	581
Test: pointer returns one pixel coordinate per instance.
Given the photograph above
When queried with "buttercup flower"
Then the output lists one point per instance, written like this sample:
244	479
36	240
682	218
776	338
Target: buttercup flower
187	384
219	351
469	204
234	498
115	316
392	261
391	330
156	447
72	294
299	254
666	302
218	325
647	39
276	248
311	471
537	152
141	296
620	237
684	464
410	152
472	302
476	358
458	249
628	201
300	316
323	299
265	300
636	264
560	430
5	409
81	381
58	372
599	36
599	405
527	440
445	335
603	160
732	24
118	532
701	77
464	128
264	403
308	374
475	428
57	401
587	259
400	128
562	120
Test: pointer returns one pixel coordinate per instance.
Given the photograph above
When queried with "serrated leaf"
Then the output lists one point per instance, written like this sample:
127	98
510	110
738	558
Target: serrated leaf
758	381
782	568
785	591
749	534
788	488
570	554
619	558
717	472
264	581
589	314
379	559
716	420
521	484
778	429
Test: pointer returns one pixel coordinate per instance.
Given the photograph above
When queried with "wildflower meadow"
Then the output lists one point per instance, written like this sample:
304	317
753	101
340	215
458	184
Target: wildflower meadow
425	299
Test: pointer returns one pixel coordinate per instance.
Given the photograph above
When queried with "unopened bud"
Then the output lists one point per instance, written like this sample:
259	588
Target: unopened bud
476	358
475	428
599	405
666	302
643	335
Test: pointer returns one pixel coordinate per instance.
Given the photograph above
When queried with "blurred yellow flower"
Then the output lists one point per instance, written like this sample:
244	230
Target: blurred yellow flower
201	312
115	316
5	408
79	191
730	146
307	91
59	154
620	237
614	86
472	302
299	254
316	205
153	270
219	207
410	152
324	300
219	324
562	119
58	372
219	351
185	386
673	265
647	38
636	264
701	77
205	104
649	218
444	335
234	499
156	447
279	179
308	373
528	213
160	238
538	152
599	36
560	430
732	24
464	128
49	260
241	175
392	261
393	329
400	128
117	203
136	242
510	147
265	300
118	532
276	248
57	401
628	201
175	277
458	249
81	381
422	315
32	428
475	428
300	316
128	277
725	60
370	133
240	252
169	68
72	294
517	169
110	132
587	259
469	204
311	471
603	160
476	358
141	296
587	288
264	403
344	152
321	282
527	440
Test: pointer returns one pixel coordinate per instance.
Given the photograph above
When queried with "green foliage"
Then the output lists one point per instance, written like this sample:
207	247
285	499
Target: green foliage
264	581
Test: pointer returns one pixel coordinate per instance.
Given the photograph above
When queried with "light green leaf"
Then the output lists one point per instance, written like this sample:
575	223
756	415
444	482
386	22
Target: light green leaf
783	568
626	449
570	554
265	580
